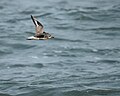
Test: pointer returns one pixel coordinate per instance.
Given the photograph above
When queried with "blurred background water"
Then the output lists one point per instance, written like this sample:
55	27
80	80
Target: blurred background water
82	60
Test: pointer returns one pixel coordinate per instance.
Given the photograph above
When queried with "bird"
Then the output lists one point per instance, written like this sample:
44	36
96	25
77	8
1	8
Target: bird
40	33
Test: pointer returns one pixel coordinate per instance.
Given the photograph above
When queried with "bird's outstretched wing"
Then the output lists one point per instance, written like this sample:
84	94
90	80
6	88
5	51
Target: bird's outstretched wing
38	26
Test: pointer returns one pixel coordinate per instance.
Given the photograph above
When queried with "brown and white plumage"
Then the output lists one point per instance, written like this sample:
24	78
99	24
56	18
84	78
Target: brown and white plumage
38	26
40	34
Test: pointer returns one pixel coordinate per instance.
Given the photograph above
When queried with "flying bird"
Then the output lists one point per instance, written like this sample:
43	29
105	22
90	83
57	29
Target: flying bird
40	34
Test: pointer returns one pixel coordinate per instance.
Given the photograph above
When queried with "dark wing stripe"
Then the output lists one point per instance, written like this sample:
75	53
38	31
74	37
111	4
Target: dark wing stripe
33	20
39	23
38	26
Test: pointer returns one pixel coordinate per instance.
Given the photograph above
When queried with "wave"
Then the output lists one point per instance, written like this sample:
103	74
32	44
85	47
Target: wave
17	66
4	94
107	51
108	61
21	46
106	28
5	52
92	92
67	40
35	65
62	92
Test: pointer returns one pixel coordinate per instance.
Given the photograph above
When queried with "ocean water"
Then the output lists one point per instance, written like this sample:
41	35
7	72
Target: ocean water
82	60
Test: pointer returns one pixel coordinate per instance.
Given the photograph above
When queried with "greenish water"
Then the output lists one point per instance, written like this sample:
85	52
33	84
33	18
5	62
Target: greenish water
82	60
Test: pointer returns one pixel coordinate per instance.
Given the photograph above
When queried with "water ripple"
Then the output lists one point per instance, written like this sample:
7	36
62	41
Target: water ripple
82	59
21	46
67	40
5	52
3	94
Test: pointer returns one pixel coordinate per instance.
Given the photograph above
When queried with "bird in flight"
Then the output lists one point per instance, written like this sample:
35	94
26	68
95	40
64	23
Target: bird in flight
40	34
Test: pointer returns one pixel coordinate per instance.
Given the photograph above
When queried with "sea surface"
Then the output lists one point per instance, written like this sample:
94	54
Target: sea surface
82	60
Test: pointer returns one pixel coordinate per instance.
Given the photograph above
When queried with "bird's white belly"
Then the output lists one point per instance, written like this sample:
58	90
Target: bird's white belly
35	38
32	38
